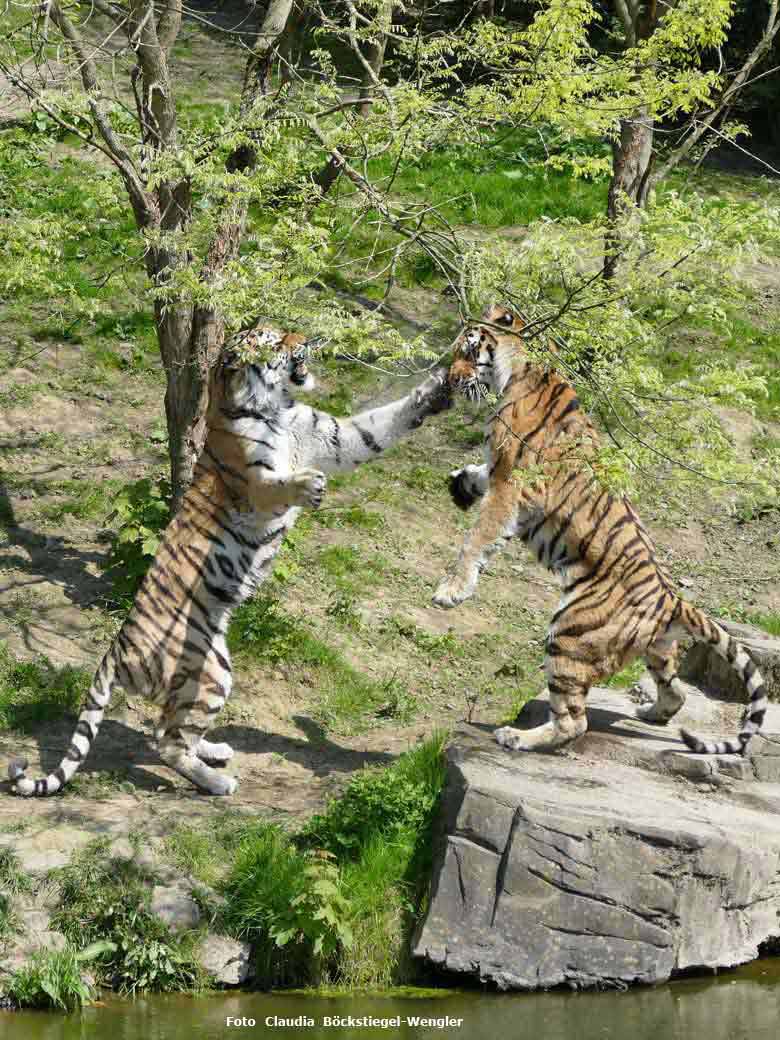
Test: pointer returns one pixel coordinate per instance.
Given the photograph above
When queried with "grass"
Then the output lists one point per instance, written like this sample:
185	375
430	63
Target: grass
106	900
52	979
366	854
497	187
83	500
348	699
36	692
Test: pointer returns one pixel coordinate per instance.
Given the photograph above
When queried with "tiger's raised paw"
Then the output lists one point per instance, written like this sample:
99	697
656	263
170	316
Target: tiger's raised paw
311	484
214	754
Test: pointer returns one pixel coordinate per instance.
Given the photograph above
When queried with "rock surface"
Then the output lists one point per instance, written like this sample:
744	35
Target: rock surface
175	907
228	961
603	864
703	666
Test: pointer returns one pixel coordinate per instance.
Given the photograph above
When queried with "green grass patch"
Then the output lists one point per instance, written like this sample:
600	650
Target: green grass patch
629	675
106	900
348	699
497	187
52	980
438	645
336	903
83	500
37	692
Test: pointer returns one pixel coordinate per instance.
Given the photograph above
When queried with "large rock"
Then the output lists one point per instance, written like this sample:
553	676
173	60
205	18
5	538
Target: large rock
174	906
602	864
702	665
228	961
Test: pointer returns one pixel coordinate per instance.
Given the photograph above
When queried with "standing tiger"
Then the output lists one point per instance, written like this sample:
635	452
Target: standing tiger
265	457
617	602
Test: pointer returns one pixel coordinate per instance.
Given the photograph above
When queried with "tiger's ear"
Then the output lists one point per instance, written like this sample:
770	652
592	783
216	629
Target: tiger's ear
505	318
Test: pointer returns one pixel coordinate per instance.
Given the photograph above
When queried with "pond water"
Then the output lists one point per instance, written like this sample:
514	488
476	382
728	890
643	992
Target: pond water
739	1005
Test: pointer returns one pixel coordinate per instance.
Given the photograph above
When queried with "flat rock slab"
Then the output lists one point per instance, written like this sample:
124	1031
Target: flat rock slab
602	864
704	667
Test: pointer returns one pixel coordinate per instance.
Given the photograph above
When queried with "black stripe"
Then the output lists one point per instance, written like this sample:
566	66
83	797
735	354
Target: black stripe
572	406
368	438
59	772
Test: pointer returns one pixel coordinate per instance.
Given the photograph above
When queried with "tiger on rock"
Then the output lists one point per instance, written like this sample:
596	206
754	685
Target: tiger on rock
264	459
617	603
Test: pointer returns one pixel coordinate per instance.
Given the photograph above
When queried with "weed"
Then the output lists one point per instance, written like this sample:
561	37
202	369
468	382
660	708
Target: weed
351	516
769	621
83	500
424	478
446	644
342	609
53	979
380	801
12	877
629	675
106	900
100	785
142	510
33	692
348	569
345	916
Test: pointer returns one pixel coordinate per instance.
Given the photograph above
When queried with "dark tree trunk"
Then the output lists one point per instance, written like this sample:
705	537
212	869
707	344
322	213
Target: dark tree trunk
632	157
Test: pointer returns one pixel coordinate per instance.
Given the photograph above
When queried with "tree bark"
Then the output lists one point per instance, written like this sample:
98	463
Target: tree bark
375	56
632	157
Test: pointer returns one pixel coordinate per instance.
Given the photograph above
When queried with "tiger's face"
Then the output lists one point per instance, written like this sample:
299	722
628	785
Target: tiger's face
478	363
244	380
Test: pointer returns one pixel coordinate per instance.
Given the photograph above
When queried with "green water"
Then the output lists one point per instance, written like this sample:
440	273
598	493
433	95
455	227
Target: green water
739	1005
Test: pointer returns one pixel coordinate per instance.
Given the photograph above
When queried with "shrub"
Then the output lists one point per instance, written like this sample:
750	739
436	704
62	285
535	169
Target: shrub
53	979
142	510
380	802
106	901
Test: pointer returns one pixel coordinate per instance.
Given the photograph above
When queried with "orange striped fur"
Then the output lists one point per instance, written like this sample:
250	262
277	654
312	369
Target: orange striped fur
617	603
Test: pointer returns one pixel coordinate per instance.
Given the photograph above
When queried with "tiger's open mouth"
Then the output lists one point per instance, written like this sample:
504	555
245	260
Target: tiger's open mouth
472	388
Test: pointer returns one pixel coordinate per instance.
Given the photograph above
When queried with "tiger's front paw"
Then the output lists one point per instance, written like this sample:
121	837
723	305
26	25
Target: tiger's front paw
510	738
434	395
310	484
452	591
466	486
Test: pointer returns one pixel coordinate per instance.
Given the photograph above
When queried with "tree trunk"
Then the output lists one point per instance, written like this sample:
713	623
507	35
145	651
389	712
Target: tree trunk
375	55
632	157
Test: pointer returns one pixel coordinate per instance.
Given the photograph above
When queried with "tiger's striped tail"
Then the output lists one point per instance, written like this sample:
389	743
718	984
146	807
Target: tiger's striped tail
704	630
86	730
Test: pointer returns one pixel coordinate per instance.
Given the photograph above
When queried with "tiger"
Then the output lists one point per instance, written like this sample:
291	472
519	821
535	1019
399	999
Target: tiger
265	458
617	602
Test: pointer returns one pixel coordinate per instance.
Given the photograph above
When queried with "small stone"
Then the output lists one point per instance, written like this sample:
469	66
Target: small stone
121	849
228	961
175	907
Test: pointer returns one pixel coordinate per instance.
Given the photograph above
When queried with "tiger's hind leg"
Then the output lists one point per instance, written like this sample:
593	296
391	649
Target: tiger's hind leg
567	718
661	660
196	698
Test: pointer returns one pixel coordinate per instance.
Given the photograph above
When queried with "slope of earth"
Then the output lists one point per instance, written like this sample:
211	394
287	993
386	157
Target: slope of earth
344	662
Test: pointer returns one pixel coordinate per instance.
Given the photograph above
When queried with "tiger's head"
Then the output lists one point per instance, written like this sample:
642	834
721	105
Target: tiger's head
262	364
482	358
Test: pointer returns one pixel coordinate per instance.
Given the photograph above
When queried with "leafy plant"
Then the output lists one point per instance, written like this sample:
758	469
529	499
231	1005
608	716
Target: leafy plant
317	914
54	979
141	512
380	801
106	901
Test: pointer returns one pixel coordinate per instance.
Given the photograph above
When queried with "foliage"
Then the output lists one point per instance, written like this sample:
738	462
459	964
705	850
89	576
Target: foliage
338	900
54	979
317	913
33	692
380	801
141	512
106	901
